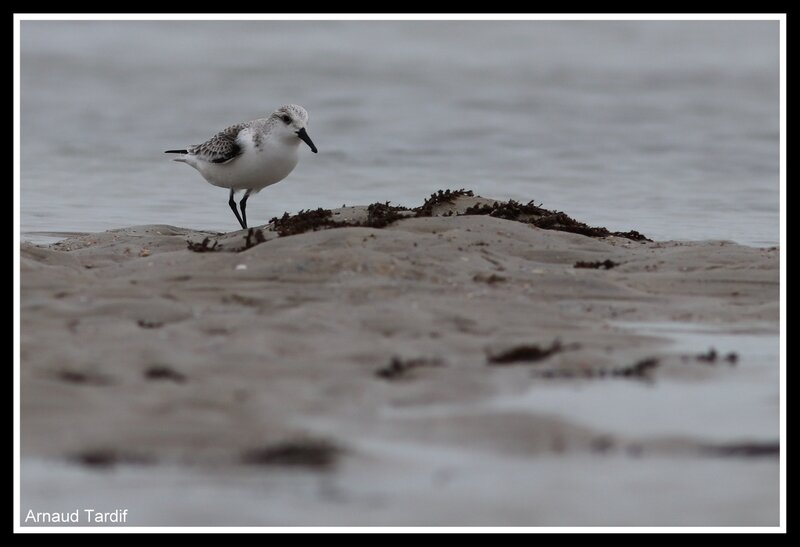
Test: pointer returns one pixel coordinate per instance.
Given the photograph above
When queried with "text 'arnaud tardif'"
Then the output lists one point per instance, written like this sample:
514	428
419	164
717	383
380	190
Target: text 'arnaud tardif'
86	516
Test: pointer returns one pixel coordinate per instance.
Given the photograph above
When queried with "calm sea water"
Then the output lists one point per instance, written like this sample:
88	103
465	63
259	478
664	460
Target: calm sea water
669	128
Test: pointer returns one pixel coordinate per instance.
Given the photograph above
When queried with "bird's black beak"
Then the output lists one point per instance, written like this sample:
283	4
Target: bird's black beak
303	135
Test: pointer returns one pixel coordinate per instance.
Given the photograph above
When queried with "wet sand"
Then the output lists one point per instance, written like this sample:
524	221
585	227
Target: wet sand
442	370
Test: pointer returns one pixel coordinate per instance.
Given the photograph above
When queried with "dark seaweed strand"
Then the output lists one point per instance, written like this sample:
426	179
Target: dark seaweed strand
546	219
303	221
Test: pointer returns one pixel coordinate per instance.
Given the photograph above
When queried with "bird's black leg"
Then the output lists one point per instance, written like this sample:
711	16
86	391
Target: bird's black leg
242	205
235	210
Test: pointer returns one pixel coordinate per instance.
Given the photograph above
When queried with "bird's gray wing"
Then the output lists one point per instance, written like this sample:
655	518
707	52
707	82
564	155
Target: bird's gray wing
222	147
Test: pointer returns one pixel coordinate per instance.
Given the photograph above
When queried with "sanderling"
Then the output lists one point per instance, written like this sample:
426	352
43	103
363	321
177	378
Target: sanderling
251	155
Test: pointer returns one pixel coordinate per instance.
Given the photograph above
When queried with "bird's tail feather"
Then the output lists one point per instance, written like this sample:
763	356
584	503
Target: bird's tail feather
176	151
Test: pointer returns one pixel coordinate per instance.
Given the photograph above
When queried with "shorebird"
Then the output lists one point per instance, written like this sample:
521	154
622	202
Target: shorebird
251	155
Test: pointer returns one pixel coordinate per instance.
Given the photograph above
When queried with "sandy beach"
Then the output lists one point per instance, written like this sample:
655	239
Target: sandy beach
448	369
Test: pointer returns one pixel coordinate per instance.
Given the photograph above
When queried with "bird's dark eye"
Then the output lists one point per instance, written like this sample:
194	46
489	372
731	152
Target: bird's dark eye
286	119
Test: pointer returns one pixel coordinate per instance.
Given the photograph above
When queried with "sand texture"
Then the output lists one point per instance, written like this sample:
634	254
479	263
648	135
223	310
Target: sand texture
442	370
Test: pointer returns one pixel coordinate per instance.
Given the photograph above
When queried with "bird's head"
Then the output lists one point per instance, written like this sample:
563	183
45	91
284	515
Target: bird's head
291	121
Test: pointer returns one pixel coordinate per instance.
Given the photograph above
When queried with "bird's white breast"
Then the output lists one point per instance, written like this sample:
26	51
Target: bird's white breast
262	162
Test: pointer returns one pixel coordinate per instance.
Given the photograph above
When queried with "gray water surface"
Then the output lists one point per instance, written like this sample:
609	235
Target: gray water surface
669	128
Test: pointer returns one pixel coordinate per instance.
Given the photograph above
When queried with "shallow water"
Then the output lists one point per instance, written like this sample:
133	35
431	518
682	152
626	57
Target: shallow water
669	128
740	405
430	488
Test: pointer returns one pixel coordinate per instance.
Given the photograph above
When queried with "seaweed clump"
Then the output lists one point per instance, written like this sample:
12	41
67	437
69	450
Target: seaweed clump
510	210
164	373
744	450
80	377
252	238
640	370
106	458
303	221
380	215
203	246
439	198
525	353
607	264
400	368
531	213
711	357
300	453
